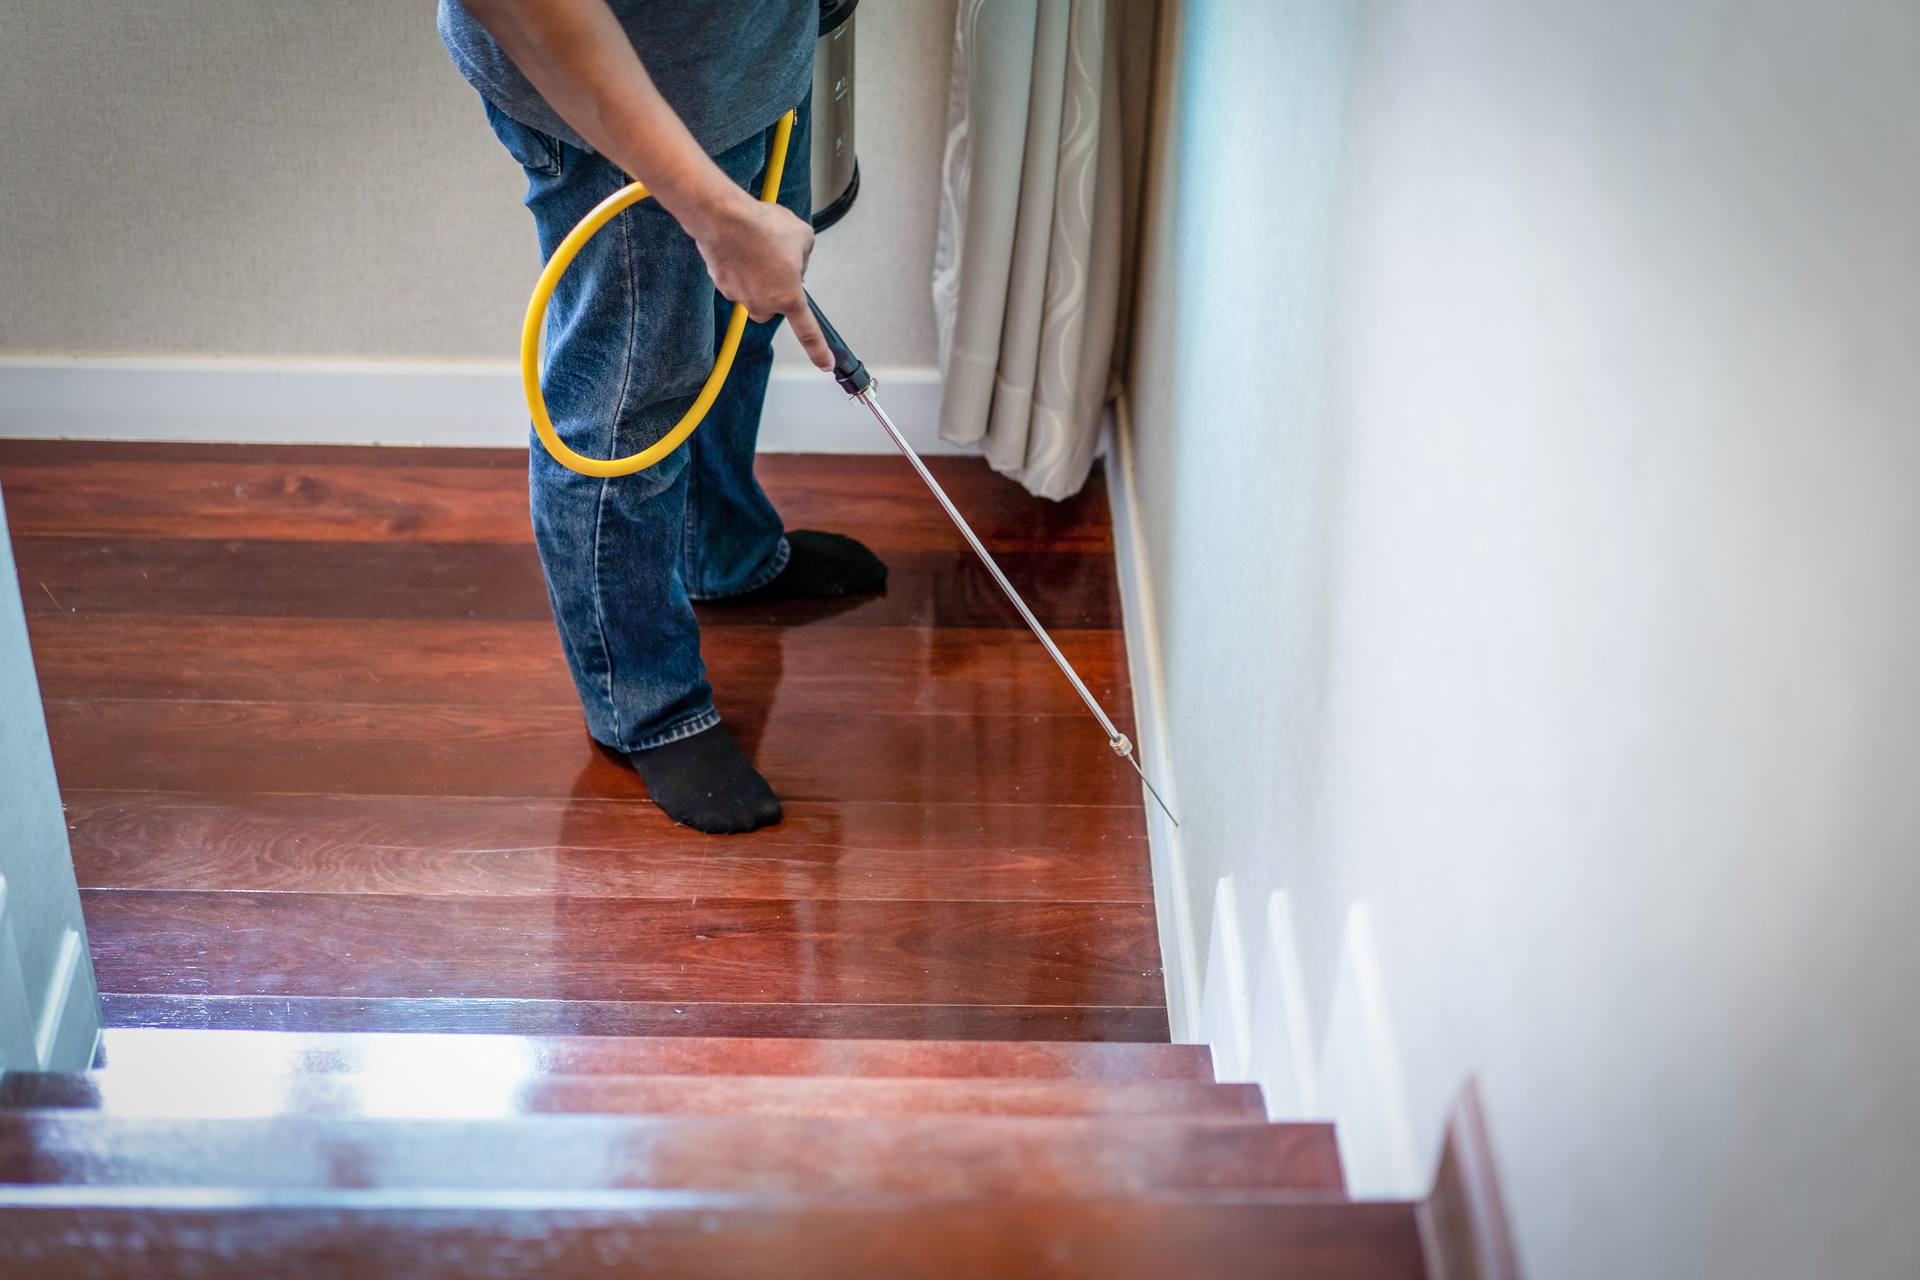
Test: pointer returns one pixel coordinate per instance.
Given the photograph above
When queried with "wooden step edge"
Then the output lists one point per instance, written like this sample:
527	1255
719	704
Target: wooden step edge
795	1238
155	1048
556	1152
218	1094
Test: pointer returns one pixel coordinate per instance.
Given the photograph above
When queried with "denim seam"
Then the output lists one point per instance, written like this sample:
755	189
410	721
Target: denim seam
699	722
613	444
690	568
600	608
633	332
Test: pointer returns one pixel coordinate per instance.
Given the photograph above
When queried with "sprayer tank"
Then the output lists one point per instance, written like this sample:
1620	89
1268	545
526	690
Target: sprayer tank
836	171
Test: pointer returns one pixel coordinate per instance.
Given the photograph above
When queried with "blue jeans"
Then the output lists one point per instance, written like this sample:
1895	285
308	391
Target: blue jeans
631	336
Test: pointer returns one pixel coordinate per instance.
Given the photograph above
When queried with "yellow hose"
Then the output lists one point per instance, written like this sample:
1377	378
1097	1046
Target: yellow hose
602	214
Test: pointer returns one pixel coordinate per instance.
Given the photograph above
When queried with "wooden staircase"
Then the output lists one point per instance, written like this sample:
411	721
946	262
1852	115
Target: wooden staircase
249	1154
327	785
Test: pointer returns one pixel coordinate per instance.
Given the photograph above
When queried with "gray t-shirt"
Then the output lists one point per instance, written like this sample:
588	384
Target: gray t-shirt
730	68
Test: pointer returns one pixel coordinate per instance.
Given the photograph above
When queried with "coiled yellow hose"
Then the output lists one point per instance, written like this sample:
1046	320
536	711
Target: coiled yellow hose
602	214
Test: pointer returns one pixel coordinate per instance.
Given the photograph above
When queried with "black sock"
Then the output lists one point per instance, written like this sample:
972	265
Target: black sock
822	566
705	783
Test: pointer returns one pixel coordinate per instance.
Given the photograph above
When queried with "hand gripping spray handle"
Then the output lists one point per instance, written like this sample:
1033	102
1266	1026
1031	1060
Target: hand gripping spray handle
847	369
854	379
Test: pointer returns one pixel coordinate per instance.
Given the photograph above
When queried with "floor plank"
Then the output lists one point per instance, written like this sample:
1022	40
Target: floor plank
135	745
1141	1024
519	664
603	849
441	495
493	582
328	501
782	951
72	455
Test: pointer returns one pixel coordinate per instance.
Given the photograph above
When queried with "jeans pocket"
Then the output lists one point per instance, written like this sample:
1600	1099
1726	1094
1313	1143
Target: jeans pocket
536	151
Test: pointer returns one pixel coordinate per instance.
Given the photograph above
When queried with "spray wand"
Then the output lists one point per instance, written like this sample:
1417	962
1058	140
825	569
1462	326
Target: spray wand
858	383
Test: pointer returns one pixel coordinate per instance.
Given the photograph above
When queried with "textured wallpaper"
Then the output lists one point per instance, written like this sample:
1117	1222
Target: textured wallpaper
219	178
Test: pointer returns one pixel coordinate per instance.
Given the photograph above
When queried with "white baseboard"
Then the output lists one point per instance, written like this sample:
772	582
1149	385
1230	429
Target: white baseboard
1260	1033
18	1050
1280	1051
1224	1004
373	402
1256	1018
1177	954
1258	1027
1360	1083
70	1016
63	1036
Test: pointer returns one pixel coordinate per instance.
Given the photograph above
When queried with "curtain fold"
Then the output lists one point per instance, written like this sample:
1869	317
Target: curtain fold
1033	224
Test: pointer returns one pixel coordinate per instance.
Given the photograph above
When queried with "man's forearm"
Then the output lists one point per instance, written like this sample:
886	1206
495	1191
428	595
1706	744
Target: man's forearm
579	58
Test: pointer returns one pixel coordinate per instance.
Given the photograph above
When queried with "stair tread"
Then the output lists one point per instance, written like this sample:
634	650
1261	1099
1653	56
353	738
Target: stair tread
151	1048
944	1155
223	1093
1199	1237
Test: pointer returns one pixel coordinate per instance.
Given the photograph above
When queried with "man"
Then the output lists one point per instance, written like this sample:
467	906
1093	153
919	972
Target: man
682	95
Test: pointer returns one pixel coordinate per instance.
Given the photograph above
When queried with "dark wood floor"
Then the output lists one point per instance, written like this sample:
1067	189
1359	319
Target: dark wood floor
324	769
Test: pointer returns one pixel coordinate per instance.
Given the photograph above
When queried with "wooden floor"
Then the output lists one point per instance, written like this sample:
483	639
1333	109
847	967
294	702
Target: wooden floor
324	769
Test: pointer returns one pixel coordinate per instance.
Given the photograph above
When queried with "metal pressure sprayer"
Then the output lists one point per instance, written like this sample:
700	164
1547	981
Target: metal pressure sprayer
834	167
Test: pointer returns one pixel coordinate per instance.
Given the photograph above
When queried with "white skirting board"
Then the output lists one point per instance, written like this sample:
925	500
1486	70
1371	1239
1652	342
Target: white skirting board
65	1032
1177	955
1225	1023
1255	1018
373	402
1246	998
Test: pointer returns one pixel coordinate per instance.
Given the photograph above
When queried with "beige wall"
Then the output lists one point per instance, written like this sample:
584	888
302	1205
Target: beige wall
232	178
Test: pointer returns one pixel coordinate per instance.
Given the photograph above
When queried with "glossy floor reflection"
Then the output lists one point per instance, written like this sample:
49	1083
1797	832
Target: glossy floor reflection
324	769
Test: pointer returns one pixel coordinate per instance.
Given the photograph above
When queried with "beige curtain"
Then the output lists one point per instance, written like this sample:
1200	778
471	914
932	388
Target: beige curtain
1035	221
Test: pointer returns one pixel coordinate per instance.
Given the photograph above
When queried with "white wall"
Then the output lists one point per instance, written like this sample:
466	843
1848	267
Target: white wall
227	178
1528	451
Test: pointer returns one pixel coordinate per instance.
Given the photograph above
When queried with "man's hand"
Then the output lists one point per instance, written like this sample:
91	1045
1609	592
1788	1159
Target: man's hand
757	253
579	58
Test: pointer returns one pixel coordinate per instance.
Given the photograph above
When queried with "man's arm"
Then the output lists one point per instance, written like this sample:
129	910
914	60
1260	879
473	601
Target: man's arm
579	58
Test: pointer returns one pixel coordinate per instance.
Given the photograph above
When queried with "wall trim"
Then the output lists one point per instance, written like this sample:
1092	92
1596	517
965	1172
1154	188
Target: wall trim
1463	1221
1257	1023
1225	1005
1281	1048
67	1032
1140	622
394	402
70	1018
17	1049
1359	1084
